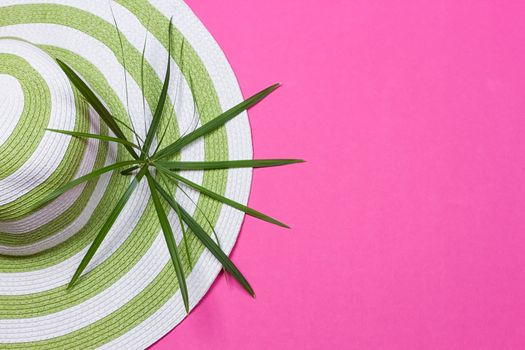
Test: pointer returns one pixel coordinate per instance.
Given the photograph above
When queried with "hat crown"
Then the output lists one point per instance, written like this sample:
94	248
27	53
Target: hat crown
34	95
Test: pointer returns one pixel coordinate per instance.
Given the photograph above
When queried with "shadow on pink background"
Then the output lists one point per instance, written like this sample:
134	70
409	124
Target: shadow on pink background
408	219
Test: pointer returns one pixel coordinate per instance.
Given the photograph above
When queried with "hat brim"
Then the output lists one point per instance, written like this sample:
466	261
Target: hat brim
128	298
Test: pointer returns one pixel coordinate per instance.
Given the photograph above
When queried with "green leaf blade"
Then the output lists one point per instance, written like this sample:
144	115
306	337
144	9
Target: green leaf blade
214	123
207	241
95	102
106	227
170	241
227	201
94	136
184	234
91	176
157	116
231	164
130	170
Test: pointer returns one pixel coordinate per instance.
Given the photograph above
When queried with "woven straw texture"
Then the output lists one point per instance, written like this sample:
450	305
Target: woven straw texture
128	297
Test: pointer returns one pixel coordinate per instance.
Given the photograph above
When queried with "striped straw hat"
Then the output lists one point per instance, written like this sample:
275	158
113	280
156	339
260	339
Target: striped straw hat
128	297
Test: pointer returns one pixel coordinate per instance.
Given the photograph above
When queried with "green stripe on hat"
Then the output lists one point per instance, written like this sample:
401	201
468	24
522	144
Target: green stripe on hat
34	117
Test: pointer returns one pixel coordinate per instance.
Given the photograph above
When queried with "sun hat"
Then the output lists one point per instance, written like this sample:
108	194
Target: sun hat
128	297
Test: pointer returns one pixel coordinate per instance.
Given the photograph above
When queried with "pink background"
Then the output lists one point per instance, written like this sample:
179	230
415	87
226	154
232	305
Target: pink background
408	219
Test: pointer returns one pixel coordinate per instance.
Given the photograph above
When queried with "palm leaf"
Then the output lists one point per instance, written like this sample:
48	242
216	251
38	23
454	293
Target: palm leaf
95	102
207	241
94	136
222	199
107	226
215	123
160	160
214	165
170	241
